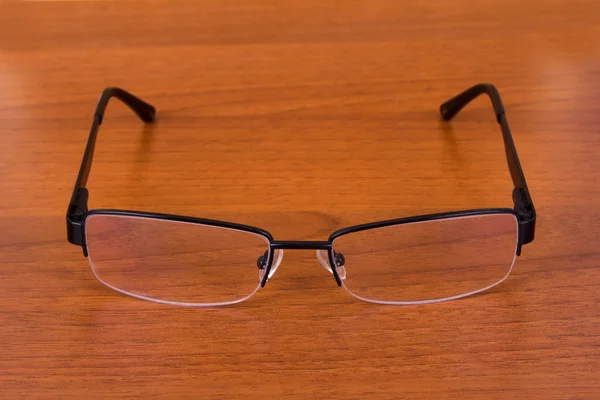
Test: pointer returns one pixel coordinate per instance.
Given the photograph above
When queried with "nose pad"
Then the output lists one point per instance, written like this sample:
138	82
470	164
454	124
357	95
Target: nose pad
341	270
277	257
262	263
323	257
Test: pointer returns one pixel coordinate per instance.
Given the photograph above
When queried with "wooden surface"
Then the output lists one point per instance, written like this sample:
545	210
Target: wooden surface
301	118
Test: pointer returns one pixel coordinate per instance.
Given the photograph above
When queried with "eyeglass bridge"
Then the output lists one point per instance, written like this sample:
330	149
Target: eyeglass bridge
261	262
322	256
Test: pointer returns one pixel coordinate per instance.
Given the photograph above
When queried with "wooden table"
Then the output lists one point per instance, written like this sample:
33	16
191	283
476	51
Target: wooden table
301	118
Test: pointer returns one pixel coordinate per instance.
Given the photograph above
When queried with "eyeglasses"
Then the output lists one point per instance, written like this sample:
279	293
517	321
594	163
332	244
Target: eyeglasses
190	261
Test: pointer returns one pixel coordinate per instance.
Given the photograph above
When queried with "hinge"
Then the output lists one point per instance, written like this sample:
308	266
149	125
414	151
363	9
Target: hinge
75	217
522	204
526	212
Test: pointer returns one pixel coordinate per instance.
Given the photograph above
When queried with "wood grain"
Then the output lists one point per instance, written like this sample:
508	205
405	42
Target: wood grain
301	118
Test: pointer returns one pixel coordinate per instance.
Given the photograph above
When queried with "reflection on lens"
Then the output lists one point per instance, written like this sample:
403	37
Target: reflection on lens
431	260
174	262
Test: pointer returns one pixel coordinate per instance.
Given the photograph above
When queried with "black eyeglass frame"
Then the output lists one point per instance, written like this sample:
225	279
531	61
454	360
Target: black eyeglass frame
524	211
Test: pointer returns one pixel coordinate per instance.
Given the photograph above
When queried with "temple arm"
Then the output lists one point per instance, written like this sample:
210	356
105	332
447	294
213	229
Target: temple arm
523	204
78	204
